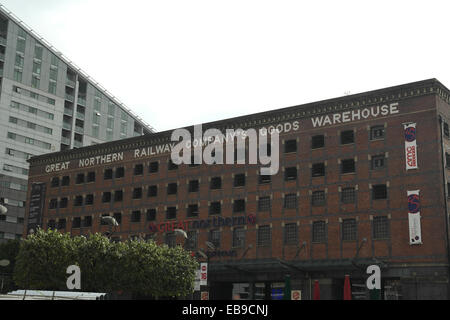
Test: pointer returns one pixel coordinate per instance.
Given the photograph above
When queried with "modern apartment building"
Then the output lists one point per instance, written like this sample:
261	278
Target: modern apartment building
47	104
363	180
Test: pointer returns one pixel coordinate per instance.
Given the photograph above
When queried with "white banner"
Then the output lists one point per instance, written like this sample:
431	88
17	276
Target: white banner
203	274
415	234
410	146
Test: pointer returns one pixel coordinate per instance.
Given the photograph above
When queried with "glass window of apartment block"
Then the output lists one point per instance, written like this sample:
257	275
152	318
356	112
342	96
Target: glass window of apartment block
290	146
137	193
380	227
318	141
215	207
290	201
319	231
35	82
347	137
264	204
171	213
348	166
290	233
54	61
238	237
111	109
348	195
52	87
53	74
19	60
106	197
120	172
153	167
349	229
38	50
123	128
17	75
172	188
318	169
192	210
21	43
379	192
152	191
376	132
378	162
136	216
194	186
216	183
214	237
138	169
118	195
110	123
318	198
151	214
78	201
239	180
36	67
123	116
264	236
239	205
290	174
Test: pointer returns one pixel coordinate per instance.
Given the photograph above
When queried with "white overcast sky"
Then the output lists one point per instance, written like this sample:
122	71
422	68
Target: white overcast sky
182	62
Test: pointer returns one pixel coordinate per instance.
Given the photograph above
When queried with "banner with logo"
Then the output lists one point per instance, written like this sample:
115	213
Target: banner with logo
203	274
415	234
410	146
36	206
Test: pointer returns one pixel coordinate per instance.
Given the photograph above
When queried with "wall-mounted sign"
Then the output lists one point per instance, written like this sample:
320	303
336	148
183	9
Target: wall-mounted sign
296	295
203	274
36	206
415	234
410	146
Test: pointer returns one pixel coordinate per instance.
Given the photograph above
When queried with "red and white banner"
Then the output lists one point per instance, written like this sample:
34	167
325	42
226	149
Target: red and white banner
203	274
410	146
415	234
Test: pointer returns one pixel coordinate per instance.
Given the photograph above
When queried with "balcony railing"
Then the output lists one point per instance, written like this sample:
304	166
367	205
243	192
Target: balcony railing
70	83
67	125
68	111
79	129
2	41
80	115
2	56
82	101
77	144
70	97
65	140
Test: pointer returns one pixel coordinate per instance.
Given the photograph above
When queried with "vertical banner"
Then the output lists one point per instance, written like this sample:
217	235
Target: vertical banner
410	146
415	234
203	274
36	206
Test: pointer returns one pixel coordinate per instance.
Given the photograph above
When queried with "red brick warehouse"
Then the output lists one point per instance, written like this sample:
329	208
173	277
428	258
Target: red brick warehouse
362	181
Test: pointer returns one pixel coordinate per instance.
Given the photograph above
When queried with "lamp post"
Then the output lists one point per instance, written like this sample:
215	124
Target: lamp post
112	222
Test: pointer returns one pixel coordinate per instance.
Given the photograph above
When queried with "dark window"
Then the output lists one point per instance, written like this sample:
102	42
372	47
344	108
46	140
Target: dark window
192	240
194	186
138	169
76	223
239	205
348	166
448	190
136	216
318	198
87	221
151	214
65	181
108	174
239	180
290	233
446	131
153	167
347	137
377	132
80	178
89	199
318	141
318	169
172	166
171	213
215	207
137	193
214	237
61	223
78	201
192	210
290	173
348	195
264	179
152	191
290	146
380	227
106	197
379	191
120	172
118	217
378	162
53	204
290	201
172	188
55	182
238	237
264	236
447	160
170	239
91	176
63	202
216	183
264	204
118	195
349	229
319	231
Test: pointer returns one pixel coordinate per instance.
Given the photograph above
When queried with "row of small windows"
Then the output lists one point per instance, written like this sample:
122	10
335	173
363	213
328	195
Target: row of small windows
349	229
30	125
318	198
